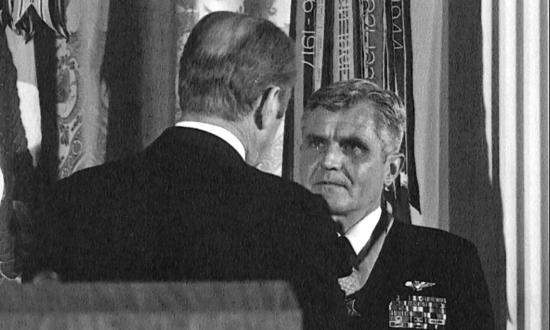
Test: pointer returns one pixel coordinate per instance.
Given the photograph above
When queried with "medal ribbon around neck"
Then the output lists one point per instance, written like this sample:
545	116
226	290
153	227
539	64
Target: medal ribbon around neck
352	283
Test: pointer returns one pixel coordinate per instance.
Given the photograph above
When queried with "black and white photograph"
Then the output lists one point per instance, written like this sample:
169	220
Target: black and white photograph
274	164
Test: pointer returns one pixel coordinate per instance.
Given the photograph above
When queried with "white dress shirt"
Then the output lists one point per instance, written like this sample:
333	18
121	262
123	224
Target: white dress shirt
360	233
218	131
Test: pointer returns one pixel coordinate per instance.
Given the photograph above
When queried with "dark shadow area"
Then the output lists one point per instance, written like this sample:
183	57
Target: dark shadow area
46	74
121	70
475	205
139	68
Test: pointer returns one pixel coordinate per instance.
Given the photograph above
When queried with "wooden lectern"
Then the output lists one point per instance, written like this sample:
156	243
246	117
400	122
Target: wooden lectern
200	305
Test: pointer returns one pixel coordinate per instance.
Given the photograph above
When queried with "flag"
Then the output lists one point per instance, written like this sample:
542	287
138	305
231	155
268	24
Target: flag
22	14
82	96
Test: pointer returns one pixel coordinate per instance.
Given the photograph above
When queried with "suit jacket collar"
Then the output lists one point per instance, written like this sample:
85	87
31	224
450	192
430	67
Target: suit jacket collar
218	131
181	143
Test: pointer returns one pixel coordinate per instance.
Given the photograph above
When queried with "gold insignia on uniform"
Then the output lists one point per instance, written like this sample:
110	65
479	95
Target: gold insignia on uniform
418	286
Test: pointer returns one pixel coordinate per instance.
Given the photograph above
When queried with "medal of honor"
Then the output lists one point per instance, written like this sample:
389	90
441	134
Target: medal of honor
350	284
350	306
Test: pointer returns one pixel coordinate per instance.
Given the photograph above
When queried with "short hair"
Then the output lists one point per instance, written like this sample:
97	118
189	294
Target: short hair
228	62
388	111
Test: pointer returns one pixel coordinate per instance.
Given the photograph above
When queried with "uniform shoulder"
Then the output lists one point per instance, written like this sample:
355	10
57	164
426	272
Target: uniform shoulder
437	238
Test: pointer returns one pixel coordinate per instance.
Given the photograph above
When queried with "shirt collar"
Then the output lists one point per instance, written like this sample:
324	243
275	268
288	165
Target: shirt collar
218	131
360	233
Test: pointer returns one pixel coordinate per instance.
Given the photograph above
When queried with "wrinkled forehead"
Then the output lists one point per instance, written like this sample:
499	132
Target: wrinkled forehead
358	121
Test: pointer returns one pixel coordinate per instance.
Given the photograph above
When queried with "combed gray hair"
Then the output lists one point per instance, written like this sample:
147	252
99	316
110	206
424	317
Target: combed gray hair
390	117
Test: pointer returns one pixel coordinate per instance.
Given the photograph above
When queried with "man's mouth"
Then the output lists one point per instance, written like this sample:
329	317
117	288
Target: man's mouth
330	183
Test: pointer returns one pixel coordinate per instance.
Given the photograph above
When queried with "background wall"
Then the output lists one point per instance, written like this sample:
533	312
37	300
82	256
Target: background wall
481	94
430	78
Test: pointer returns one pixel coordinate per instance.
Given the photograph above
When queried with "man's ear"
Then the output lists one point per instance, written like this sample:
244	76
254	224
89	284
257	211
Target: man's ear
268	107
394	163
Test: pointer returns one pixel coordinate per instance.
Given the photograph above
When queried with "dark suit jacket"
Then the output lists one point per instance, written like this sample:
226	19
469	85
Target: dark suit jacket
412	253
189	208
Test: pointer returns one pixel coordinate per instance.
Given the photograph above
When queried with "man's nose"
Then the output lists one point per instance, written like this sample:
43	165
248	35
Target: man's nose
333	158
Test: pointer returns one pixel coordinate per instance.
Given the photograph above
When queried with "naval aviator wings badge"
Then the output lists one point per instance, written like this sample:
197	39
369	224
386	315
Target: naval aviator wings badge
418	286
417	311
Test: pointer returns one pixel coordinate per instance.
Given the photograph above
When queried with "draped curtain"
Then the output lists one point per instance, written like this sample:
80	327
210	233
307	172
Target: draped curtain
517	79
82	96
56	47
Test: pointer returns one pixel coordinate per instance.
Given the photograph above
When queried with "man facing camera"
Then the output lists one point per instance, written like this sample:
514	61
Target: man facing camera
403	276
192	206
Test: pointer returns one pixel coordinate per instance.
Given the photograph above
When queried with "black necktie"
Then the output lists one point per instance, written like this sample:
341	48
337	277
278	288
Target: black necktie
346	256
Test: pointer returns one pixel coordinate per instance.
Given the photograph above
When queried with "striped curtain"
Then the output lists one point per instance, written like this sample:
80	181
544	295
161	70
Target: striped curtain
346	39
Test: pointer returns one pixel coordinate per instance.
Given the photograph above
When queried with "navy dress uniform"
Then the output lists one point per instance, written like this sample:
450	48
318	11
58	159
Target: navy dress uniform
417	278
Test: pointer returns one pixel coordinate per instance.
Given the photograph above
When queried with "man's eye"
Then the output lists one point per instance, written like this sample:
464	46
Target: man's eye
354	149
316	144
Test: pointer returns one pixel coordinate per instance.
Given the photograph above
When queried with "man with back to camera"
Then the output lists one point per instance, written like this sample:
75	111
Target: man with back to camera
403	276
191	206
